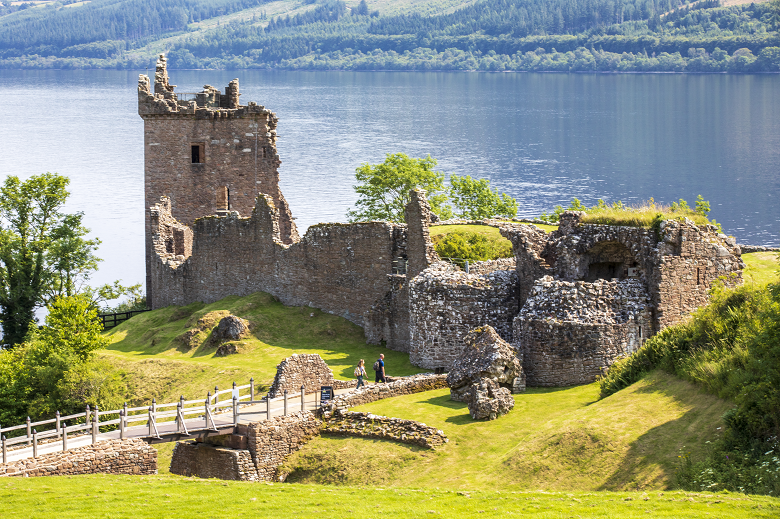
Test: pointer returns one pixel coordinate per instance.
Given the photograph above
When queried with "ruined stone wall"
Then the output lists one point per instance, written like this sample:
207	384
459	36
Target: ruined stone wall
107	457
340	268
446	304
569	332
210	461
236	153
368	425
308	370
374	392
690	259
272	441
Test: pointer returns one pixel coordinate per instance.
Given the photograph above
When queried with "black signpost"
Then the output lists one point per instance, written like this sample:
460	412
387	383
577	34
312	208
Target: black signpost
326	394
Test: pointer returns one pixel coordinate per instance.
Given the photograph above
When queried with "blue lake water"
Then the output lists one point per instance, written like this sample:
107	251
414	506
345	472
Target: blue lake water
542	138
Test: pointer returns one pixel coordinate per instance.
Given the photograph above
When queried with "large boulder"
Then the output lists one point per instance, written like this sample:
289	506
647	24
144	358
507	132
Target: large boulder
488	400
486	356
230	328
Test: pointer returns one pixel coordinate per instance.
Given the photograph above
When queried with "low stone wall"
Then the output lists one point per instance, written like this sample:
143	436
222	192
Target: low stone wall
372	393
107	457
367	425
747	249
308	370
272	441
211	461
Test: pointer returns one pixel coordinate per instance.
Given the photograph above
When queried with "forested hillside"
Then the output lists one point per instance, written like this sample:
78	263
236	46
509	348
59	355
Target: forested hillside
528	35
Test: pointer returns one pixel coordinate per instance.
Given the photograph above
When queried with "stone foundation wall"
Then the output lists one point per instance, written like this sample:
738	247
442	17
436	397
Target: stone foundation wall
446	304
272	441
210	461
374	392
367	425
106	457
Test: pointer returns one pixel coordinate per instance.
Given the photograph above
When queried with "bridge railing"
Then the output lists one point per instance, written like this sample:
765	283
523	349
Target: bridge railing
129	419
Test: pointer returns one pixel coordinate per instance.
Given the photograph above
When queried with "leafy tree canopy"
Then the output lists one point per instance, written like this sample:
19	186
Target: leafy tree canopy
384	188
473	199
44	252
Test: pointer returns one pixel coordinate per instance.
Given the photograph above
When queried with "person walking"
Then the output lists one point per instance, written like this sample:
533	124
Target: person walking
360	372
379	368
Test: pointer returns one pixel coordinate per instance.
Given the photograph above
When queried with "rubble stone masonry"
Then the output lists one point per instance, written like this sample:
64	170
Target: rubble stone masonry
211	461
132	456
305	369
368	425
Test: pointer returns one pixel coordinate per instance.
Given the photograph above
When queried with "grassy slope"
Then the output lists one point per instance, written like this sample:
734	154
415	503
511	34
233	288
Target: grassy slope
170	496
762	267
159	365
554	439
487	230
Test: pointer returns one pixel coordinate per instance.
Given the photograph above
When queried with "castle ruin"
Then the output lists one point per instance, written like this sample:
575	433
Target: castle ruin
570	301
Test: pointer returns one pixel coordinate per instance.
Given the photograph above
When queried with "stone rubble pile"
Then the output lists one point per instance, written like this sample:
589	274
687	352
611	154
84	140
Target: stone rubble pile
231	328
486	356
488	400
368	425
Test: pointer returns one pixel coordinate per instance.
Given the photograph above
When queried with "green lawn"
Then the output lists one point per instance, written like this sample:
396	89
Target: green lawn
150	349
762	267
555	439
487	230
172	496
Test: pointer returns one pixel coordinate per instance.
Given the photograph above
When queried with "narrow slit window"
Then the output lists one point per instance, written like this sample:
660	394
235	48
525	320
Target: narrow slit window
699	276
198	153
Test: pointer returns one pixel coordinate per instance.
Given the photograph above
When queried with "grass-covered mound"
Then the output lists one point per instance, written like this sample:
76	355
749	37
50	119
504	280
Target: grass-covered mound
647	214
730	348
142	497
169	352
554	439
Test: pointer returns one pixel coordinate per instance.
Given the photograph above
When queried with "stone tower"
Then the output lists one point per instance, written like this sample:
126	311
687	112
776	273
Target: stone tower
208	154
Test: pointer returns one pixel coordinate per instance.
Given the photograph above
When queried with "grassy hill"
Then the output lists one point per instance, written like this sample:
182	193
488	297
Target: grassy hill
490	35
553	440
163	361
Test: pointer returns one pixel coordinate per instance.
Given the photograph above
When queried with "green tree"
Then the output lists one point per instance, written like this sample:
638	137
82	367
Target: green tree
55	368
474	199
384	188
43	251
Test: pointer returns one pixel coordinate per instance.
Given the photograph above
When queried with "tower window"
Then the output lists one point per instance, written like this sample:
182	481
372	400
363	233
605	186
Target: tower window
198	153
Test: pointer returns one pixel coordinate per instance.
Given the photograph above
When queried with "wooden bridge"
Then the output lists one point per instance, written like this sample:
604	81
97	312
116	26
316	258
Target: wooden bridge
220	413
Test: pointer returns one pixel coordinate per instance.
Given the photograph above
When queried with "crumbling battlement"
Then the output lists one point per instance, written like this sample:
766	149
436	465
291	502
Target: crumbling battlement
446	304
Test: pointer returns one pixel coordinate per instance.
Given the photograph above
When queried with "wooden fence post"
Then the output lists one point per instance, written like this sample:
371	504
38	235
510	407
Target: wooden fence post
303	398
178	414
65	437
35	443
252	390
95	424
124	415
86	416
151	420
285	402
216	397
206	415
235	411
5	453
57	418
122	424
28	430
268	406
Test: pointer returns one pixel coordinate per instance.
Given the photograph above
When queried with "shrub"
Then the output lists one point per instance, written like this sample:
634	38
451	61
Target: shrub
461	246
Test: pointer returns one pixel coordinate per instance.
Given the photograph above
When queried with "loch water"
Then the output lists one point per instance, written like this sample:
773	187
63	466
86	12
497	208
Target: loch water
542	138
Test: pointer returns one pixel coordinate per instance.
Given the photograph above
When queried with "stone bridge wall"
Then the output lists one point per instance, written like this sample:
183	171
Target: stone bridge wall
132	456
212	461
374	392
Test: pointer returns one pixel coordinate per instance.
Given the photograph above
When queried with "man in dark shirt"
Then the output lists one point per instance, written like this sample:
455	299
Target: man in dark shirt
380	373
